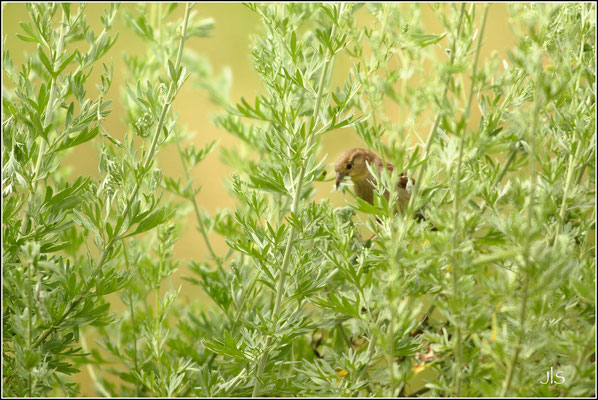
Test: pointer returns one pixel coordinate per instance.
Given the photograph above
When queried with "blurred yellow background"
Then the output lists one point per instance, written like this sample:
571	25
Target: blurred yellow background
228	46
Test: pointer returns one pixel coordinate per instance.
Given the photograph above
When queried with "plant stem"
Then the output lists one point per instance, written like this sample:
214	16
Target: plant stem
419	392
294	207
421	173
454	274
149	158
47	122
456	235
432	134
30	321
476	59
505	168
498	179
202	227
133	325
511	368
91	370
158	323
524	272
568	180
390	353
372	341
572	157
341	329
233	328
370	354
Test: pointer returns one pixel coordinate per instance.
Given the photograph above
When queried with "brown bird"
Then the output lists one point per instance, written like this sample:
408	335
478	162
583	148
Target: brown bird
353	163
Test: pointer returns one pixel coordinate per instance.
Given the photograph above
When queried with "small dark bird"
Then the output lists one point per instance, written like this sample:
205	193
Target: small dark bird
353	163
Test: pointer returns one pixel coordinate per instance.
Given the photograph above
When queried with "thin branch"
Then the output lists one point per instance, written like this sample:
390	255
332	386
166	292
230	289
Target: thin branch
47	121
149	159
522	311
295	206
457	203
523	271
133	325
572	157
432	134
202	227
91	370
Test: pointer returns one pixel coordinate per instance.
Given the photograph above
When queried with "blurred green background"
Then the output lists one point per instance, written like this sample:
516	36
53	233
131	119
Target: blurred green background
228	47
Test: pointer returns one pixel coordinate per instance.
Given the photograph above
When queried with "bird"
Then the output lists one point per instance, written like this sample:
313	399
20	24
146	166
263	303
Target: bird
353	163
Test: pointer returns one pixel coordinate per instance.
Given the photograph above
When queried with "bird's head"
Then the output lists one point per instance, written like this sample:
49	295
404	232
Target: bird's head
353	163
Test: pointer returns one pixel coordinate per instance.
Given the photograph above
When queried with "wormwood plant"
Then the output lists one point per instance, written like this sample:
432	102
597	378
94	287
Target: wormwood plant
64	239
497	295
491	291
50	287
142	348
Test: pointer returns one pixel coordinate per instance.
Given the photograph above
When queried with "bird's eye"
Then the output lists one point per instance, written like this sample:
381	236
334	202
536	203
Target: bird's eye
349	165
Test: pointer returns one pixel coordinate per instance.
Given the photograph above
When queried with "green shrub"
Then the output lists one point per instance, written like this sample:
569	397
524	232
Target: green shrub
498	293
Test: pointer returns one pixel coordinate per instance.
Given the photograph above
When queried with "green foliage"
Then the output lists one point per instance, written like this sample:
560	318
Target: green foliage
508	198
55	282
51	286
491	290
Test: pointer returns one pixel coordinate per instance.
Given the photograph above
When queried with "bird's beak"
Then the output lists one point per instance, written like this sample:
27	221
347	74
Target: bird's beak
339	179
